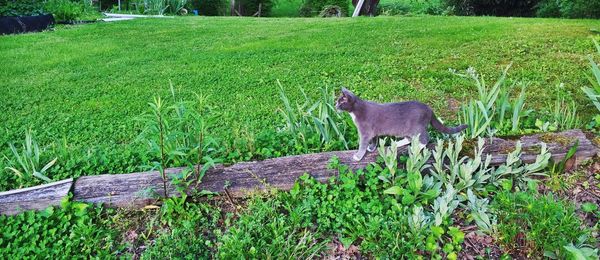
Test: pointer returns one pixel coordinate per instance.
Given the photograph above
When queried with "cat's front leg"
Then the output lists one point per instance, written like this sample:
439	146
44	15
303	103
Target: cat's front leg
362	148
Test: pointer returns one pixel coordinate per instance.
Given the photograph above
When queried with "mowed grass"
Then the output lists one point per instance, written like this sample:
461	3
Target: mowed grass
84	86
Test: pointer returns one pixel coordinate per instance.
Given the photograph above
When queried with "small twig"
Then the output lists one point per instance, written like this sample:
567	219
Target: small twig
235	206
591	193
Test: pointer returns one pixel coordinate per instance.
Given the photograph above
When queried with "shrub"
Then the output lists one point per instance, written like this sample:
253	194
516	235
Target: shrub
211	7
393	8
314	7
548	8
175	6
64	10
540	8
157	7
575	8
21	7
432	7
177	135
493	7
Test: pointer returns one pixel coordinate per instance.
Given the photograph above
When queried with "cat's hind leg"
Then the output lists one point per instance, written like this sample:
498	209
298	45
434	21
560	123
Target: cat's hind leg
424	139
372	145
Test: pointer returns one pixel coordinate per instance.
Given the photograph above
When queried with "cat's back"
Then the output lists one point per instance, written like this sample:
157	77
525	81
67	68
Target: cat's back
407	106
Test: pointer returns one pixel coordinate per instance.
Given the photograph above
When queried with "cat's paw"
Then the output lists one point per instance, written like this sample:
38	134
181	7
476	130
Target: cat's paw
403	142
372	147
357	157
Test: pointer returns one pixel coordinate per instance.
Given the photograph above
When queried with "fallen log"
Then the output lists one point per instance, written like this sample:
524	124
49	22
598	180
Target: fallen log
144	188
34	198
130	190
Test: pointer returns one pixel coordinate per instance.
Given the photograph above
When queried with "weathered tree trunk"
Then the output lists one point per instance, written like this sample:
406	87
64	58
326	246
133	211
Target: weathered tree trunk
140	189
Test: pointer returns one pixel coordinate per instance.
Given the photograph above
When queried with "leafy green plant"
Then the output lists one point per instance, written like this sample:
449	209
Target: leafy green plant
314	7
263	231
568	9
411	187
493	112
514	174
556	170
565	115
389	155
71	229
315	119
157	7
175	6
593	92
589	207
64	10
177	136
581	252
481	214
461	172
26	163
432	7
547	225
21	7
393	8
190	230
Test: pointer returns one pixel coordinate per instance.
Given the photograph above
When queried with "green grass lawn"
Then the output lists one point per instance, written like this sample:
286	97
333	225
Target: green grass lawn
84	86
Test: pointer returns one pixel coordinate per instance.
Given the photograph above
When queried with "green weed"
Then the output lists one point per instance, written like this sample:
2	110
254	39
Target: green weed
545	224
177	135
189	230
26	164
315	119
73	229
593	93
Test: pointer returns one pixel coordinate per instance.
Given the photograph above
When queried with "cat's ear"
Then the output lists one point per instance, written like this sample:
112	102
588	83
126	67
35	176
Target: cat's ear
347	92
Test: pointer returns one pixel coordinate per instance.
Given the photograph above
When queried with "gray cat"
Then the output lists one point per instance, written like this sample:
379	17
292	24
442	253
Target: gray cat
404	119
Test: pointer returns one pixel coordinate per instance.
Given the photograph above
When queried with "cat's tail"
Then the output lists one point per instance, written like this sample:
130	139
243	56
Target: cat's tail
444	129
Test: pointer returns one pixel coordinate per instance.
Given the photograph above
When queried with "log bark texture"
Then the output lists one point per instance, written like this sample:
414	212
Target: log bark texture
144	188
34	198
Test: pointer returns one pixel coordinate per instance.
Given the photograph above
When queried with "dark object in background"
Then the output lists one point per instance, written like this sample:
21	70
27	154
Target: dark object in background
516	8
23	24
369	7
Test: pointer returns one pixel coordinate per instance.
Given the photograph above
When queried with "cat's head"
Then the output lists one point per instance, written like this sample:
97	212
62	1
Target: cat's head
346	100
